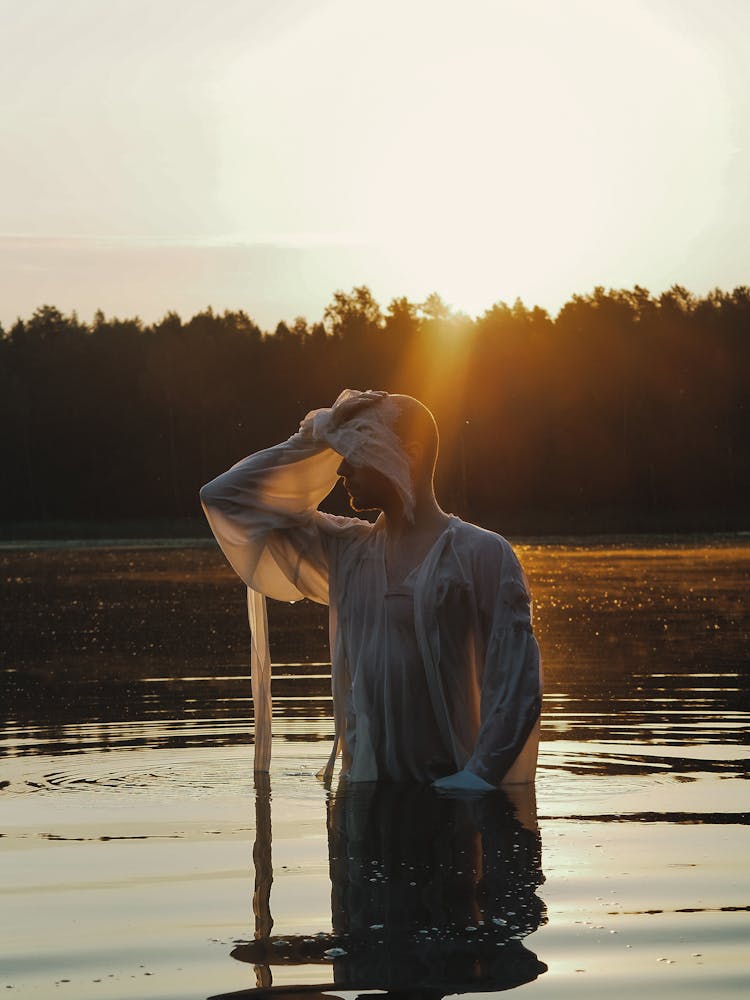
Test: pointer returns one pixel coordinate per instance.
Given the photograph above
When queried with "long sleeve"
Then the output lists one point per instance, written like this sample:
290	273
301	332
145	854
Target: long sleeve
263	514
511	682
263	510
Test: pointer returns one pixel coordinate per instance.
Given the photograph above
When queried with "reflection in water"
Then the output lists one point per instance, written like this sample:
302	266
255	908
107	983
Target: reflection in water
430	894
125	718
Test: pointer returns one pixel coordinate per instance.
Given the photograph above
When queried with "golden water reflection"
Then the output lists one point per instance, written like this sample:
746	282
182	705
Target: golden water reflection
149	646
125	756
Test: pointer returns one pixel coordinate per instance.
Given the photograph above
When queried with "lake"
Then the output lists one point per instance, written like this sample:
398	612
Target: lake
139	859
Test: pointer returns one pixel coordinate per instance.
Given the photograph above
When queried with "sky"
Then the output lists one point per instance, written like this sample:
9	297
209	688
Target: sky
260	154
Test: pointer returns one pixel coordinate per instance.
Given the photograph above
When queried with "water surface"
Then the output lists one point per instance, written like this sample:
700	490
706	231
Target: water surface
140	860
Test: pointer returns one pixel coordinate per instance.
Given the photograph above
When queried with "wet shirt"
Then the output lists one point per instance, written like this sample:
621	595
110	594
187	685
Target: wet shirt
457	638
390	691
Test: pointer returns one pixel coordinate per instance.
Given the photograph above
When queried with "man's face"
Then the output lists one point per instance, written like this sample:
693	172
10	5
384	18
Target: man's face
368	489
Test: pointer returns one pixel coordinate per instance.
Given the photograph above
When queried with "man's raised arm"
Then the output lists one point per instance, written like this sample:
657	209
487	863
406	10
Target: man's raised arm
263	514
263	511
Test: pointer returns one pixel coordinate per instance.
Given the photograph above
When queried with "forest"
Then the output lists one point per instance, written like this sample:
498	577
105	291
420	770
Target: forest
625	412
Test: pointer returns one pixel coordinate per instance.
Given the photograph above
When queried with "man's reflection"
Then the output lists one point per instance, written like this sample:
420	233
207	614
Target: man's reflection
431	895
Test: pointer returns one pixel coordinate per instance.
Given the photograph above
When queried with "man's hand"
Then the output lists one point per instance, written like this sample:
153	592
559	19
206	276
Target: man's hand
463	781
341	412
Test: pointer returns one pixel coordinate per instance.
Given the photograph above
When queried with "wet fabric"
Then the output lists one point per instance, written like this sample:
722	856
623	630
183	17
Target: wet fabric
390	690
476	682
366	439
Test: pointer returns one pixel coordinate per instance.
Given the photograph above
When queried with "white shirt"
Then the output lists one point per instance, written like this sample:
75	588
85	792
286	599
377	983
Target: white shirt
442	675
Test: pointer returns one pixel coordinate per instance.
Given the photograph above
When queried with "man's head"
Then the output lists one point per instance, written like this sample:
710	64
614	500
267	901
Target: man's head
368	489
416	431
415	427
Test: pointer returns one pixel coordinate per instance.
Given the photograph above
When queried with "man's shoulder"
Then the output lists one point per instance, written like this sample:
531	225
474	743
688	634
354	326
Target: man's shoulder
474	536
489	553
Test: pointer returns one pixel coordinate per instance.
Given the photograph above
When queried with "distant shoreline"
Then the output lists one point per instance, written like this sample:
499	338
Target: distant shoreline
193	533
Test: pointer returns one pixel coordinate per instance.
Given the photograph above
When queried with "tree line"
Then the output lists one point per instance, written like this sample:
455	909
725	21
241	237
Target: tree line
625	411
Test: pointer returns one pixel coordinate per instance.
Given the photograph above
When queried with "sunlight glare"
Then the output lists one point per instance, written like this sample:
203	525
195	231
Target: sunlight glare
496	152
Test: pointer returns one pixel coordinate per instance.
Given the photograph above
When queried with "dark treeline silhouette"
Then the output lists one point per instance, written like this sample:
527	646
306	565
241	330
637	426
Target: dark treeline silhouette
626	411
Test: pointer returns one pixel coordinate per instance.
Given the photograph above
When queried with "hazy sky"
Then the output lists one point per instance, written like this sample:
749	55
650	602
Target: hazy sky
163	154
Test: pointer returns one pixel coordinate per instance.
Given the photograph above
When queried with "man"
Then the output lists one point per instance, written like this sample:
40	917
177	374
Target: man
435	672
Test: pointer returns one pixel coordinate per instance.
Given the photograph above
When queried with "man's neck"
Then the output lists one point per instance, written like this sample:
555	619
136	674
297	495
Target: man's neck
428	517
